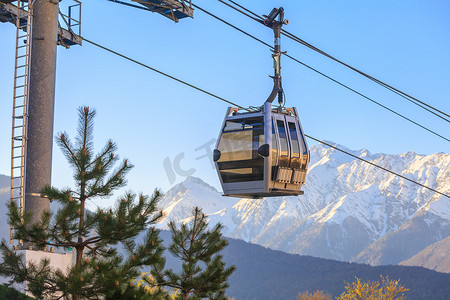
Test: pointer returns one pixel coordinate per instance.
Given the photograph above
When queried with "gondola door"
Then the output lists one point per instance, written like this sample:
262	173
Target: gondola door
281	172
295	163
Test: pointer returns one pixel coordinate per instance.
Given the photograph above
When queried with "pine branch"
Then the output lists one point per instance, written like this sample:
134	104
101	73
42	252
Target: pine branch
110	146
85	129
24	230
38	277
92	240
66	147
103	169
74	244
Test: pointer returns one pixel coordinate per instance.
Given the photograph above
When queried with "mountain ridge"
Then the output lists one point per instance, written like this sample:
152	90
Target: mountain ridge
435	257
349	209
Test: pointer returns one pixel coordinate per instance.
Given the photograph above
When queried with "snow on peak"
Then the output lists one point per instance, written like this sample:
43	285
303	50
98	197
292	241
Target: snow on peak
345	199
195	181
180	200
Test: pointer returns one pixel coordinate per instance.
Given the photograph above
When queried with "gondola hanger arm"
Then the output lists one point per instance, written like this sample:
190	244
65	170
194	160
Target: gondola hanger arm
275	20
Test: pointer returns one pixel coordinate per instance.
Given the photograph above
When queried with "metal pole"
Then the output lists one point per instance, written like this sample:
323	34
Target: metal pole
271	22
268	140
41	105
277	57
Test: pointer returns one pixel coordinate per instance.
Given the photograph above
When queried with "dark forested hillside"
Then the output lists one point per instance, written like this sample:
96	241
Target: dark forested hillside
267	274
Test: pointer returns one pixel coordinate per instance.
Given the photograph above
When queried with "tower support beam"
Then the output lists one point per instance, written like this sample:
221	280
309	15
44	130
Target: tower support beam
41	105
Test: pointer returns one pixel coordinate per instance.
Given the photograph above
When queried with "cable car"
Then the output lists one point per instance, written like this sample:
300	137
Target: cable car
263	152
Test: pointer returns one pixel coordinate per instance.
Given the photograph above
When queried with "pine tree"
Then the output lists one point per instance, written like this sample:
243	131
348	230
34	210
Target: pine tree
204	273
99	271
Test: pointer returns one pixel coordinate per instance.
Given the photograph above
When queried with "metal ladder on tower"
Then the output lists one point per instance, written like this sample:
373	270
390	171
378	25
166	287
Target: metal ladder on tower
24	23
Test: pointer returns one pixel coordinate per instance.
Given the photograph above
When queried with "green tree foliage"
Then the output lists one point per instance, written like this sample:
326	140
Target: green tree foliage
148	282
11	294
204	273
99	271
317	295
373	290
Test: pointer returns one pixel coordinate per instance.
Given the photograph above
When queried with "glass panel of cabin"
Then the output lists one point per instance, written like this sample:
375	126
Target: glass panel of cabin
238	145
284	147
295	146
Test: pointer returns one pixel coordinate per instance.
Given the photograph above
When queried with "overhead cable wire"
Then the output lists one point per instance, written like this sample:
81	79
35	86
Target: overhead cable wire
229	102
324	75
231	25
421	104
162	73
411	99
378	166
444	116
247	10
368	98
131	5
258	18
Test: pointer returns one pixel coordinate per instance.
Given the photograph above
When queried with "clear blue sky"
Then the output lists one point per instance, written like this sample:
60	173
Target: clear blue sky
152	118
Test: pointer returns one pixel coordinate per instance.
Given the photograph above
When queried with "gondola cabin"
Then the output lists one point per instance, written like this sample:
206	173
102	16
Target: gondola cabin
261	153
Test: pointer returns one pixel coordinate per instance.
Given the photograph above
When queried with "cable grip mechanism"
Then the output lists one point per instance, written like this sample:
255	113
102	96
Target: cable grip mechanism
275	20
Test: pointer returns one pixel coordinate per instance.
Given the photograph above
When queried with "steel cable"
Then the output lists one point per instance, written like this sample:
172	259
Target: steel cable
229	102
415	101
162	73
324	75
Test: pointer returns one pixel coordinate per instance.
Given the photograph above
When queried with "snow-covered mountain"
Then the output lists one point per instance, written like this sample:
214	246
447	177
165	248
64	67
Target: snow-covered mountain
351	210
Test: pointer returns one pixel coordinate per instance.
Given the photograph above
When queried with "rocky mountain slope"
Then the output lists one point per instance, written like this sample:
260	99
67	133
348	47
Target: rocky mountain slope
351	211
435	257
